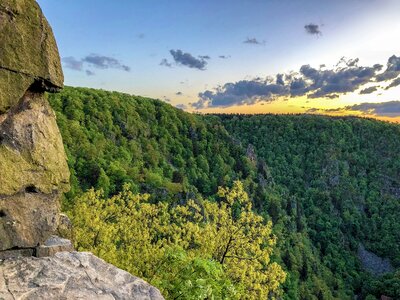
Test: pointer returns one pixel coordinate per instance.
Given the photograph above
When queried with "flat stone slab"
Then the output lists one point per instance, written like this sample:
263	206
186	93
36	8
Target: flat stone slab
70	275
53	245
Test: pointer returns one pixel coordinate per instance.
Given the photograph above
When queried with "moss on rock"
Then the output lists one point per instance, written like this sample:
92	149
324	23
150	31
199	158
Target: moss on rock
31	151
27	50
33	168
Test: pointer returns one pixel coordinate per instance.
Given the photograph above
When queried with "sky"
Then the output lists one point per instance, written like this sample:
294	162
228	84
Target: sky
334	57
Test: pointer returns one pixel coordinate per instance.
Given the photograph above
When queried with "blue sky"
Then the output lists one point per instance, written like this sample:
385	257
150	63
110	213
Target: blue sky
118	45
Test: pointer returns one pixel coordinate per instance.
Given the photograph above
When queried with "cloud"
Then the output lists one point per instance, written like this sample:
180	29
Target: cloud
95	61
253	41
386	109
369	90
239	93
105	62
394	83
313	29
279	79
72	63
179	93
389	109
181	106
347	62
166	99
188	60
204	57
347	76
166	63
90	73
392	69
224	56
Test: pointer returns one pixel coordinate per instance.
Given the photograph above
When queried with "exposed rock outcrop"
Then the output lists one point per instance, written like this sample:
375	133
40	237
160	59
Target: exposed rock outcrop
28	52
33	168
373	263
70	275
34	174
53	245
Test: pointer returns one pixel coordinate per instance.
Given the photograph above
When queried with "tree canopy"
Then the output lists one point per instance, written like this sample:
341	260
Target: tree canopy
327	184
197	250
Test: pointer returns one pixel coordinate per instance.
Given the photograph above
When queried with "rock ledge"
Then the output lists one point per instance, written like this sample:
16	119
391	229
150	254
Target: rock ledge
70	275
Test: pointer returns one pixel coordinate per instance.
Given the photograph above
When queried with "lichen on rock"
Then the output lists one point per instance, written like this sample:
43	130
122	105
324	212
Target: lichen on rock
70	275
28	51
33	168
31	151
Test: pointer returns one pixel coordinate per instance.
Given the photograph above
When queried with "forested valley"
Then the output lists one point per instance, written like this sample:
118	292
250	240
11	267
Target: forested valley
234	206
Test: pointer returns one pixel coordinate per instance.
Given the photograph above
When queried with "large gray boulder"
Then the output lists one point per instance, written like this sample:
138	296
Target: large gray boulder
70	275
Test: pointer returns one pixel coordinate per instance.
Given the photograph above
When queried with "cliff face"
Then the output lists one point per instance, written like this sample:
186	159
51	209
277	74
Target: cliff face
34	174
33	168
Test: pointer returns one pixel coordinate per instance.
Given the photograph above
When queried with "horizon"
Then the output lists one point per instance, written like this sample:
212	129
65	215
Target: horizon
270	56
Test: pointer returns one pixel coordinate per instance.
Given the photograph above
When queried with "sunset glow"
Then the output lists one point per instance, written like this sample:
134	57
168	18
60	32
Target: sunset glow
339	54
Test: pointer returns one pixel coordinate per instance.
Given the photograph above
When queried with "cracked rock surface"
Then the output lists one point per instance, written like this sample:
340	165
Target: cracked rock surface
28	52
33	168
70	275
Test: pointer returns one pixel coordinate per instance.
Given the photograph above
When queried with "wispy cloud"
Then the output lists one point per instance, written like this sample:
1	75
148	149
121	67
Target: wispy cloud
166	99
369	90
105	62
206	57
188	60
181	106
347	76
389	109
253	41
313	29
90	73
164	62
224	56
94	61
394	83
392	69
72	63
386	109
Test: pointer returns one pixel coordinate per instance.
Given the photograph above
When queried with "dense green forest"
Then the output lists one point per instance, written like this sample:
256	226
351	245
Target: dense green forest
327	186
341	176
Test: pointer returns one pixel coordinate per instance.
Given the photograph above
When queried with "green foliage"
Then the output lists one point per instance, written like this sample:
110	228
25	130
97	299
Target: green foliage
327	184
339	178
200	250
197	278
113	138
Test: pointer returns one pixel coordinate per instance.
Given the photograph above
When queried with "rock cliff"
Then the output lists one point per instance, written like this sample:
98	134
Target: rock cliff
34	174
33	168
28	52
